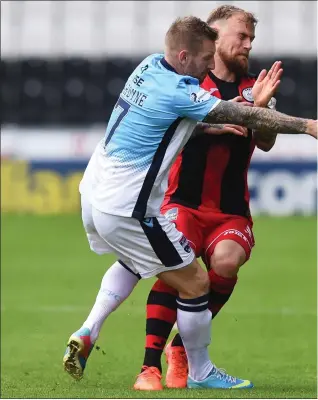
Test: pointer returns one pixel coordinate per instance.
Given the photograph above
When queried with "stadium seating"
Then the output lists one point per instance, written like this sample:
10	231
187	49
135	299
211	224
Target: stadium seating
76	91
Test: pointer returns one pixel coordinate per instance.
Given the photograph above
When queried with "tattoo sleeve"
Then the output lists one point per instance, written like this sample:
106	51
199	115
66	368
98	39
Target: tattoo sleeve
260	119
266	136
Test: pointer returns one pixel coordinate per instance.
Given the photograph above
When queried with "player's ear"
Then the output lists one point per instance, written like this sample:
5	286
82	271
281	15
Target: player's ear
183	56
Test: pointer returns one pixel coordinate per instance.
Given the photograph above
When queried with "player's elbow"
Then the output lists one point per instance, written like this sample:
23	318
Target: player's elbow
265	146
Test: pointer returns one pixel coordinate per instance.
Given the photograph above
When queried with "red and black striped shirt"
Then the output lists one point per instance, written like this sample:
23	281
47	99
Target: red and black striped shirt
211	171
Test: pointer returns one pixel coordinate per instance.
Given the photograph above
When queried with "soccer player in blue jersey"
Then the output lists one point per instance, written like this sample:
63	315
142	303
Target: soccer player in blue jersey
123	187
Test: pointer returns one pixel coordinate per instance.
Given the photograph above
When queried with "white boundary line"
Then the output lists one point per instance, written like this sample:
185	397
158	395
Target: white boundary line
70	309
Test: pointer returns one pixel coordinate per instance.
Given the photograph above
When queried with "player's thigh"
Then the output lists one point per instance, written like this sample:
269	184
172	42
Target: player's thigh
186	223
96	242
153	245
231	242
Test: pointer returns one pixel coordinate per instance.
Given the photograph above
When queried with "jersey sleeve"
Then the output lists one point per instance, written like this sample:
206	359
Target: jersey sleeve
191	101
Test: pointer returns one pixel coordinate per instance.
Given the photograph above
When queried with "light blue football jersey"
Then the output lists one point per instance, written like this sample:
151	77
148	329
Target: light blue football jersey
152	120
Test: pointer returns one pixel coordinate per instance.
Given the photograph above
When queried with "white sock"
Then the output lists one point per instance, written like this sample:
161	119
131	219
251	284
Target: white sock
117	284
194	324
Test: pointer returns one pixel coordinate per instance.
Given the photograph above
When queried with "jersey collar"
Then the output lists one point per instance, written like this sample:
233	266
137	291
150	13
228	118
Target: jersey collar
165	63
216	79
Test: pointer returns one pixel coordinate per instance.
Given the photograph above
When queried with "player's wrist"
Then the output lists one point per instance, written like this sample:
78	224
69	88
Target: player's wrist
311	128
259	104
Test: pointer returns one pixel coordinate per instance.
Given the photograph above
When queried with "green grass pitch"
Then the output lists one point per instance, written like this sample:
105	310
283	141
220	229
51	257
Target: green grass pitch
266	333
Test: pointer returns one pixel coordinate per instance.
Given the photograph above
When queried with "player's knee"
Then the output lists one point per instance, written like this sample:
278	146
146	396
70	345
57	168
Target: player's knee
226	264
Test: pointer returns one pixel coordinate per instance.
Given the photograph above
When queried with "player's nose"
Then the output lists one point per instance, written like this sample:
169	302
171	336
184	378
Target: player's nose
248	45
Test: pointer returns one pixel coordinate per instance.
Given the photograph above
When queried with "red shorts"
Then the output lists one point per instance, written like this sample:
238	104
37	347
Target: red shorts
205	229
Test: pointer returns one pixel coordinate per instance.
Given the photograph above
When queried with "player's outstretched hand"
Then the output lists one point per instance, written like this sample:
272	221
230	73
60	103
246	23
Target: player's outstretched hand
267	84
224	129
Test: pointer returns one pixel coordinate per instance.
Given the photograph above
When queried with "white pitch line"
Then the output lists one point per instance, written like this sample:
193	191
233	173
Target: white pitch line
285	311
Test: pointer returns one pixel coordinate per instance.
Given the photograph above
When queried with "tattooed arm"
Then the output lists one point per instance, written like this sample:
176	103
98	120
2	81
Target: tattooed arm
261	119
265	141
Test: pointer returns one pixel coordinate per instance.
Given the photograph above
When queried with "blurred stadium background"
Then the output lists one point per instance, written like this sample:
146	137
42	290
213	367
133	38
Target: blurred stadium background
63	64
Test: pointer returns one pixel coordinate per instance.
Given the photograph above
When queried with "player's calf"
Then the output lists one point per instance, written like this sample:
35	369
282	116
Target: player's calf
190	281
161	316
193	315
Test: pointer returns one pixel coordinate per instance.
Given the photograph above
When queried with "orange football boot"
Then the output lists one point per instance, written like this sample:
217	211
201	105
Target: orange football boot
149	379
177	373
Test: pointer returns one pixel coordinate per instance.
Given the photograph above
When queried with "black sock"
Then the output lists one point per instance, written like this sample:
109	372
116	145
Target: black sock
152	358
161	315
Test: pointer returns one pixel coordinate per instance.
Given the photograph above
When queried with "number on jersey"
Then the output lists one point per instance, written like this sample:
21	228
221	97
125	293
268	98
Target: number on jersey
121	109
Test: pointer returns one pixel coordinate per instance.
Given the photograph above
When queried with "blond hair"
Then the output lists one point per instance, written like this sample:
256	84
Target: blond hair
189	32
226	11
